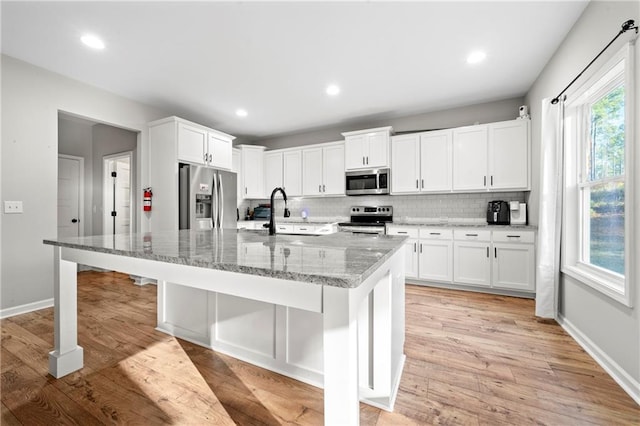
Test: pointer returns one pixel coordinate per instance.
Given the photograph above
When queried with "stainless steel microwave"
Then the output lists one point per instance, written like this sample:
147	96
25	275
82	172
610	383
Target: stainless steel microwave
367	182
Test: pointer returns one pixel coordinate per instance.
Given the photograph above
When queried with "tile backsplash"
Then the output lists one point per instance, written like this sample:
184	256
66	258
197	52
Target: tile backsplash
405	207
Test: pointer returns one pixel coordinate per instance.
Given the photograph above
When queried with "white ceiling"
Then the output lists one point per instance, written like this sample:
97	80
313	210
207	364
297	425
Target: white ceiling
203	60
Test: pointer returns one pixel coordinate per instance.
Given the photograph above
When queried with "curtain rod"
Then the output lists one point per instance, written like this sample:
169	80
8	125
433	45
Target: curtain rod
626	26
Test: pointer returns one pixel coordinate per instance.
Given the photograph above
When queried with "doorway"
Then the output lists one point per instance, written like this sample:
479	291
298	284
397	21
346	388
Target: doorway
117	184
70	196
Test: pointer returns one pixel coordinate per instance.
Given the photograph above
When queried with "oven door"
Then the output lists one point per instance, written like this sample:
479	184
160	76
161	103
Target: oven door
366	182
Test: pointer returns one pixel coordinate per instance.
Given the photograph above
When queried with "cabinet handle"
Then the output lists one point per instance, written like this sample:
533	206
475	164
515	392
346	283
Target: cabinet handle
319	188
487	252
205	157
495	252
420	247
402	232
363	163
323	188
245	190
367	161
417	183
434	233
513	236
415	248
471	235
423	183
485	181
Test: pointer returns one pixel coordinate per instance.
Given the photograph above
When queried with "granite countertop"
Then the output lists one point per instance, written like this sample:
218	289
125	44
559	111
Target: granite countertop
455	224
299	220
340	260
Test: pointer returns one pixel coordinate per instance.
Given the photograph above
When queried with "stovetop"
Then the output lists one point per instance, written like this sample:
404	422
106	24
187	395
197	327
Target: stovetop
370	216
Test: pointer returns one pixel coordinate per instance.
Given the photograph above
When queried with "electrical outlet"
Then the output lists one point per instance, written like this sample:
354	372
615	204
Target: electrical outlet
13	206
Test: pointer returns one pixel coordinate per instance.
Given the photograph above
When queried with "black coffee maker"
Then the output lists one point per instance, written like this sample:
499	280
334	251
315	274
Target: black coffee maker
498	213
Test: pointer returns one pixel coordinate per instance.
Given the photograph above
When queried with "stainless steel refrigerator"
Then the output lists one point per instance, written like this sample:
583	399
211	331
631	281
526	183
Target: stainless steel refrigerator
207	198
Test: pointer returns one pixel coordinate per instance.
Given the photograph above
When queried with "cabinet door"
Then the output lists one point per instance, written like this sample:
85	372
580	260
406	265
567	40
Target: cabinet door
292	172
470	158
436	159
509	155
377	149
411	258
355	152
405	164
220	152
436	260
237	167
333	170
472	264
272	171
312	171
513	266
192	144
253	173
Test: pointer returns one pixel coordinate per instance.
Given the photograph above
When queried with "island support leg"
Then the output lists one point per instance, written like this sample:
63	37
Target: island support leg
341	399
67	356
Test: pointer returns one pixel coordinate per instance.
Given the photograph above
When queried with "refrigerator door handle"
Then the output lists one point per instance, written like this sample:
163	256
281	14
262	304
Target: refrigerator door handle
220	201
214	202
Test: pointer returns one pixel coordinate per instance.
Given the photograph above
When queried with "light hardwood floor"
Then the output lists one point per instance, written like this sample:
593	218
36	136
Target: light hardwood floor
472	359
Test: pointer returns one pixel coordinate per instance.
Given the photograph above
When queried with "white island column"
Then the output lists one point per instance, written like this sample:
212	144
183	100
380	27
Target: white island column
66	356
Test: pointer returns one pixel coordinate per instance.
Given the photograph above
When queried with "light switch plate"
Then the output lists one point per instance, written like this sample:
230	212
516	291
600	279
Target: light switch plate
13	206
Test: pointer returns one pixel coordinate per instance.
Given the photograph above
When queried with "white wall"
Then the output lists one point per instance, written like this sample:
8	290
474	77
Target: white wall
31	99
613	330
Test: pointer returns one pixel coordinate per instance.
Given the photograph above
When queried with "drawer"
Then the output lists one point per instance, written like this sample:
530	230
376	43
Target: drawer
304	229
514	237
329	228
472	235
284	229
436	234
402	230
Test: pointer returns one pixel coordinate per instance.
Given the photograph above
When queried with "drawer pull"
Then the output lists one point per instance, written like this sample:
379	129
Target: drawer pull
513	236
434	233
471	235
402	232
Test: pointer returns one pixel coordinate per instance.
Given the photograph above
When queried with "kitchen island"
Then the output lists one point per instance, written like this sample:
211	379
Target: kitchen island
328	310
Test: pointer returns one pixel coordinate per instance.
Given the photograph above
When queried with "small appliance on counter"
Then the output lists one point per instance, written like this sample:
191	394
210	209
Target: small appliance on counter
262	212
498	213
518	213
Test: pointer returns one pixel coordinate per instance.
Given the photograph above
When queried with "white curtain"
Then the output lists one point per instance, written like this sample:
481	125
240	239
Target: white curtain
550	216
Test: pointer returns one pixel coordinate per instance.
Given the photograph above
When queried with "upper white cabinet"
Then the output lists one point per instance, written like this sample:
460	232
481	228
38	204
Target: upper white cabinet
200	145
421	162
509	152
253	185
492	157
283	168
366	149
323	169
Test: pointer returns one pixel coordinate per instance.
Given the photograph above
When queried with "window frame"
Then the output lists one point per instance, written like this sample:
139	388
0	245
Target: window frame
610	283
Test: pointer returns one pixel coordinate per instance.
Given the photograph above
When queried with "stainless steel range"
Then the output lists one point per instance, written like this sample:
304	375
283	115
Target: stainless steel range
368	220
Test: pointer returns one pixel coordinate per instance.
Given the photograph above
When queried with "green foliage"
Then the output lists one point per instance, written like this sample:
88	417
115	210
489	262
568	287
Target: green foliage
606	151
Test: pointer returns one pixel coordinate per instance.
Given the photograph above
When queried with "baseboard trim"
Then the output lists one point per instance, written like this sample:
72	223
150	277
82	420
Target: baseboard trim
23	309
621	377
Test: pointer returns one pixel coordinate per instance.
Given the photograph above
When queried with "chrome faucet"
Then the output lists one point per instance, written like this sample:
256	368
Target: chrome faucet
287	213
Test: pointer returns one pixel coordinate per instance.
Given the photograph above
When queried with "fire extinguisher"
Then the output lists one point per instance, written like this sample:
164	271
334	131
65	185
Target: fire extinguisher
146	199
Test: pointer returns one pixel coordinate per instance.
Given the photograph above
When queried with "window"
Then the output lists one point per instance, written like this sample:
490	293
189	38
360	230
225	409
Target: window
598	124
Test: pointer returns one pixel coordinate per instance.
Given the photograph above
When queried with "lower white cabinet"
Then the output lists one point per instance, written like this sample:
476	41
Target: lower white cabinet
501	259
436	258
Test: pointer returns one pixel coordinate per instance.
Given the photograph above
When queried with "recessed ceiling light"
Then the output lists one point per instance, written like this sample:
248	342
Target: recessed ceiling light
92	41
241	112
332	90
476	57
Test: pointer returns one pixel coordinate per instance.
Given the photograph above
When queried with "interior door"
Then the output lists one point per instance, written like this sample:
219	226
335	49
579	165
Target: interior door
117	194
70	171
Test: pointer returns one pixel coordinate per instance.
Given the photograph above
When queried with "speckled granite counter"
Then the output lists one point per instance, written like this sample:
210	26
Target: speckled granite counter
351	258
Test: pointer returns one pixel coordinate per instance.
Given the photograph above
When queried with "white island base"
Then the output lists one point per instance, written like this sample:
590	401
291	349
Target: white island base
341	330
287	337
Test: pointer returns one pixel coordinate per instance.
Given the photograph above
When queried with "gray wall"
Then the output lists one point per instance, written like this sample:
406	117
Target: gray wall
482	113
109	140
31	101
612	329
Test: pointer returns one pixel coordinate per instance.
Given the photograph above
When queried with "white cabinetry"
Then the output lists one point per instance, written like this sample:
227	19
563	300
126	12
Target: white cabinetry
421	162
272	171
493	157
252	171
366	149
435	257
513	260
236	166
292	172
410	248
323	169
173	140
207	147
472	264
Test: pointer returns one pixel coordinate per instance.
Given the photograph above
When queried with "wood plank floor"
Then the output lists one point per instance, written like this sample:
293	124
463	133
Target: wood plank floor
472	359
